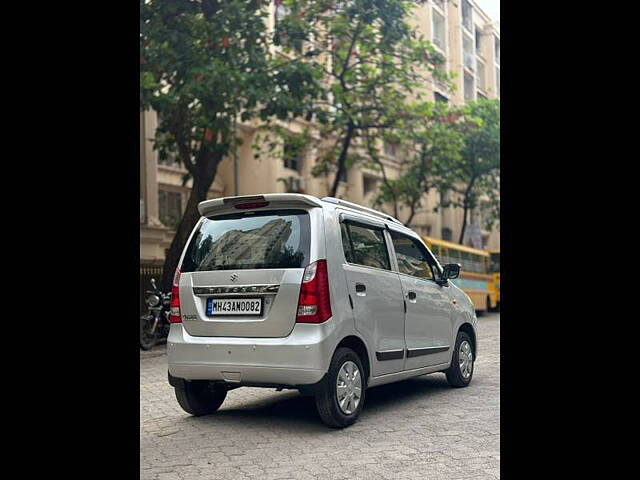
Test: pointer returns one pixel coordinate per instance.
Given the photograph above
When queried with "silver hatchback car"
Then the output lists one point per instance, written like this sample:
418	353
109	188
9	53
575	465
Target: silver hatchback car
320	295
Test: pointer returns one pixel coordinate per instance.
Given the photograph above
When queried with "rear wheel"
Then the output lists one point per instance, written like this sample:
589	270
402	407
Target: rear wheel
460	372
147	339
200	397
487	305
341	397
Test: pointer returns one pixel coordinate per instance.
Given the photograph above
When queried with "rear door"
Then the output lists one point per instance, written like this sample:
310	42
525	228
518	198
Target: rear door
241	273
375	292
429	306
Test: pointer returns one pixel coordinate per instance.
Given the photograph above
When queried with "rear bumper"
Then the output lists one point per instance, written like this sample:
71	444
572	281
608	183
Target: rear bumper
302	358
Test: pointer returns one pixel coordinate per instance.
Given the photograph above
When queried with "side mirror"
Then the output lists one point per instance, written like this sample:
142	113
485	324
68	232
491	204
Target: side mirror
451	271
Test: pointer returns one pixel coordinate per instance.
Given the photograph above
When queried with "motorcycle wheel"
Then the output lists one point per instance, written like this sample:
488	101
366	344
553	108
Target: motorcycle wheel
147	339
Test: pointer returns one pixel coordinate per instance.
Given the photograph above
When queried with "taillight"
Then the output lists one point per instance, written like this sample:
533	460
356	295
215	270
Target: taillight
174	313
314	305
245	206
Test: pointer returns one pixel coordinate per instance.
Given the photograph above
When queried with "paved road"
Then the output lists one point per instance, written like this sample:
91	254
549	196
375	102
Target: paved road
416	429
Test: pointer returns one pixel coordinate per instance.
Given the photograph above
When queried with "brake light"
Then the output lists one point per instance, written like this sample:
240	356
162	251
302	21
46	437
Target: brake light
174	313
314	305
248	205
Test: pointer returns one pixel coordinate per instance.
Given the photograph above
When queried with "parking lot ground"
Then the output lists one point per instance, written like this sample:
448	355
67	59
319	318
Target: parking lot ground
415	429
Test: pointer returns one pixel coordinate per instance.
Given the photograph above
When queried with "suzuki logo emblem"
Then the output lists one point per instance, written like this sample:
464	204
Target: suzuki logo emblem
234	277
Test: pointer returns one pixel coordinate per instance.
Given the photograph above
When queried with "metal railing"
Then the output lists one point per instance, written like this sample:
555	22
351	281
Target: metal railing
147	272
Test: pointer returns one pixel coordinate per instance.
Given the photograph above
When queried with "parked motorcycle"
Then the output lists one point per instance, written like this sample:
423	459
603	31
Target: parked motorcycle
154	325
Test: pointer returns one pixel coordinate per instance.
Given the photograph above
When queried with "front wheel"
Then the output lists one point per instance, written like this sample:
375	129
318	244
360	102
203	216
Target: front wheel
341	397
461	370
147	338
200	397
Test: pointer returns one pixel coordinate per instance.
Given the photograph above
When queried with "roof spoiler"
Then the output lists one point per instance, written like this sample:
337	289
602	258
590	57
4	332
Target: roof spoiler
229	204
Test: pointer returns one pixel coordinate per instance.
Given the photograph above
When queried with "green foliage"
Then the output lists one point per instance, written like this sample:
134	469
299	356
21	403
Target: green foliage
475	176
205	65
271	140
432	139
372	64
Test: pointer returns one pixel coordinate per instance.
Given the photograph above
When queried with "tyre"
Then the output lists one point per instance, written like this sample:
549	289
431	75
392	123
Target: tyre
494	308
200	397
460	372
341	396
147	339
487	308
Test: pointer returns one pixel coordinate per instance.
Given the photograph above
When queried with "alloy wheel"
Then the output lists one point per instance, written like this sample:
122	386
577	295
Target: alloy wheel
465	357
349	387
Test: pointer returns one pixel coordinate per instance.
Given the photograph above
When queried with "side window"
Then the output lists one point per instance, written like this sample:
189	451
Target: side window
412	258
364	246
346	243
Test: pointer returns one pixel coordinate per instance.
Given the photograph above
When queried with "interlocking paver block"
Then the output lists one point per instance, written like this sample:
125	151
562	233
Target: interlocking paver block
416	429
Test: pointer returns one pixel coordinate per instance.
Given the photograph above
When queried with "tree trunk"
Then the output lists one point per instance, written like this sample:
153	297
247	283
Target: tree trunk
341	159
464	222
421	185
205	174
385	180
466	204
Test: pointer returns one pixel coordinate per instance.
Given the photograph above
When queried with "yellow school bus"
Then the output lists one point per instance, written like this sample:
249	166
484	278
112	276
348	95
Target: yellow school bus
475	279
494	270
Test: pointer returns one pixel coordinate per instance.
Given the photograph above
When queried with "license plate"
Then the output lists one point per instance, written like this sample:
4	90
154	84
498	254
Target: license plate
233	306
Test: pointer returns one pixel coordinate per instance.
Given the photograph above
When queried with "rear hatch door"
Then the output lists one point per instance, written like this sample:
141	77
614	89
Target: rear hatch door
242	271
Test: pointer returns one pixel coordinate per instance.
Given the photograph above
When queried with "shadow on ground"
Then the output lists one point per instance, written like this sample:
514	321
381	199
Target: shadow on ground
293	410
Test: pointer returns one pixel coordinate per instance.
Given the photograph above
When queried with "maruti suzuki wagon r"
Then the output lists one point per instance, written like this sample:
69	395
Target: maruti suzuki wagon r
319	295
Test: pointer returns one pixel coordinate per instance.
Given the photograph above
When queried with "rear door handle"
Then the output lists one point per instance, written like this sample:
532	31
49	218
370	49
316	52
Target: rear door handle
412	296
361	289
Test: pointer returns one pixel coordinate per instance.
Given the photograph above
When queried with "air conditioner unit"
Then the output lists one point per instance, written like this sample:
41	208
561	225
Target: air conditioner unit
297	184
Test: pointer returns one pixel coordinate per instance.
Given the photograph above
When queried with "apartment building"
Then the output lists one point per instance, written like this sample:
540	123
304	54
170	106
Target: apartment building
460	30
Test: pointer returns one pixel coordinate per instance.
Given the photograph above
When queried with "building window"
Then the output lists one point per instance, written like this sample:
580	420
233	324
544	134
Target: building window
497	48
292	157
422	229
447	234
440	98
466	15
440	3
480	76
369	184
442	70
280	11
170	205
478	41
390	148
439	37
467	52
168	159
468	87
498	81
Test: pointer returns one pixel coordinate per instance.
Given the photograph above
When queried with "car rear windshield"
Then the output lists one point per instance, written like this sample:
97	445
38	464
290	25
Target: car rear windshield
250	240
